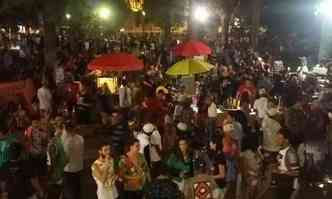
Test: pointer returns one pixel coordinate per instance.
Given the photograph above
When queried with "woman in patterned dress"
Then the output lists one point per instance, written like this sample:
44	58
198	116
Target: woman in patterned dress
134	171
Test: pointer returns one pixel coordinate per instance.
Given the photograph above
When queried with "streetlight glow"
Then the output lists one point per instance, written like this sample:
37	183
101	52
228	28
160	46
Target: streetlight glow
104	13
324	8
143	13
201	14
68	16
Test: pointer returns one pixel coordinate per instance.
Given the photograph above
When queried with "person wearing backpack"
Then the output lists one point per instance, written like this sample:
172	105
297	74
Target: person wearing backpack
56	160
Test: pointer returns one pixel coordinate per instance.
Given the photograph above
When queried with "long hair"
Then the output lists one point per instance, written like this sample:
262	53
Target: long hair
130	143
177	150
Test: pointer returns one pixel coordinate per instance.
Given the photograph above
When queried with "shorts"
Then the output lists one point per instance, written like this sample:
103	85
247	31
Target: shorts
4	173
39	165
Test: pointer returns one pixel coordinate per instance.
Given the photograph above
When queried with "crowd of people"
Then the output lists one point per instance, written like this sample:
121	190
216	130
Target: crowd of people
237	135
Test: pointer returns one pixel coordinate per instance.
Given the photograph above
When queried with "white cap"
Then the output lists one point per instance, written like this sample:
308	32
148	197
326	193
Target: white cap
162	88
148	128
262	91
182	126
329	115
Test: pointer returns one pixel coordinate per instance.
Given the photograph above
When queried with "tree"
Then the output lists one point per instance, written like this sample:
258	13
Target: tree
49	11
165	13
256	9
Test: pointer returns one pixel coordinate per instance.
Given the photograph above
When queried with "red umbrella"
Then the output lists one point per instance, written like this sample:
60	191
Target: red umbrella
116	62
192	48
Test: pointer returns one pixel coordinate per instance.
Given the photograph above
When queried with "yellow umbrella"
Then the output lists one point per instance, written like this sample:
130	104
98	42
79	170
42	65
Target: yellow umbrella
189	67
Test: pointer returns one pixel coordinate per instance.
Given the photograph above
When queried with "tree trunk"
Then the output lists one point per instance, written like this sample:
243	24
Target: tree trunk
53	12
256	21
50	42
190	28
227	20
74	38
166	32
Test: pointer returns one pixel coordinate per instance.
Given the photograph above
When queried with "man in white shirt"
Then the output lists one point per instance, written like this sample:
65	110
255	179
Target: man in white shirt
74	148
59	75
212	118
150	147
261	104
125	96
45	98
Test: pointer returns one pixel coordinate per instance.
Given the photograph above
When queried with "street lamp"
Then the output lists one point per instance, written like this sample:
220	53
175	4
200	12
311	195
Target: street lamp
68	16
324	8
104	13
201	14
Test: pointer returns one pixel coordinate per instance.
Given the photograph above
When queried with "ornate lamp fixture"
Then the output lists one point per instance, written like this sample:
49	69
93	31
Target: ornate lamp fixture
135	5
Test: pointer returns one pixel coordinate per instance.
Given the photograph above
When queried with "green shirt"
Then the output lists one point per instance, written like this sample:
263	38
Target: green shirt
5	149
135	176
57	160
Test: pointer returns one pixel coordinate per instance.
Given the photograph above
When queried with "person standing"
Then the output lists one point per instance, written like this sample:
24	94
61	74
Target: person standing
212	118
22	183
218	163
56	160
45	98
134	170
329	135
270	128
261	104
150	147
119	134
288	169
180	162
21	117
104	174
74	149
5	143
125	95
36	139
231	152
59	75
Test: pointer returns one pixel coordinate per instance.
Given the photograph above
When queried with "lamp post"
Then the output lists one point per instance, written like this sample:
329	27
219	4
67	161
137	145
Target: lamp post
68	16
201	14
143	23
324	11
104	13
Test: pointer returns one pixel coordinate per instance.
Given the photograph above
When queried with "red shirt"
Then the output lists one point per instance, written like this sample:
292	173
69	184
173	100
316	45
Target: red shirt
72	90
155	109
250	89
